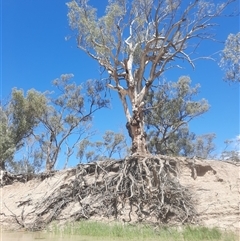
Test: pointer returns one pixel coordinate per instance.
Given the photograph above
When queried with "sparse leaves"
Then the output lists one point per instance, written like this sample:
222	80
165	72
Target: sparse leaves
137	41
232	150
170	108
203	146
69	114
230	61
45	122
113	145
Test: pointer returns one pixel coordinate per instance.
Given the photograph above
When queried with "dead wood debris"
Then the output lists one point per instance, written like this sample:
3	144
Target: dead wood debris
137	189
7	178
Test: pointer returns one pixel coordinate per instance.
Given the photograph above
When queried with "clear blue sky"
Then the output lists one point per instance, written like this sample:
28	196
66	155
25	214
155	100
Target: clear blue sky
34	52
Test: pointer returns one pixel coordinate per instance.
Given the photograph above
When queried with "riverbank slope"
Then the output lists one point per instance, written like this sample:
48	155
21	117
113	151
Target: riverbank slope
214	186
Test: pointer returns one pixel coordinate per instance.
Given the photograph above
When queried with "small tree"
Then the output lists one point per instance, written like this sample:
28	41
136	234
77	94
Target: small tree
137	41
69	113
30	161
230	61
112	144
203	146
17	121
232	150
169	110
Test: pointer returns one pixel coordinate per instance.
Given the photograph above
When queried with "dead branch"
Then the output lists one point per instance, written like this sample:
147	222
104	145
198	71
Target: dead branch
137	189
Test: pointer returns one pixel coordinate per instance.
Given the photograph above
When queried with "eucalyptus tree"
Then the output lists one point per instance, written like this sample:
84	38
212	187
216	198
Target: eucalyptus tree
28	159
230	60
232	150
113	145
137	41
18	119
68	117
170	107
7	146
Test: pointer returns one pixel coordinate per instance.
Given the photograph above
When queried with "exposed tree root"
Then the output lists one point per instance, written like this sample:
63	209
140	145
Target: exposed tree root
137	189
7	178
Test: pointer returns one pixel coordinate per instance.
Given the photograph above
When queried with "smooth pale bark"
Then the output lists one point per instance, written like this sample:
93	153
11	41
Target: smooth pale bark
137	41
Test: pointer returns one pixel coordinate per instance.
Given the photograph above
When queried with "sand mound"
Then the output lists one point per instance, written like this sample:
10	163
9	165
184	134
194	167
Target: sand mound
214	186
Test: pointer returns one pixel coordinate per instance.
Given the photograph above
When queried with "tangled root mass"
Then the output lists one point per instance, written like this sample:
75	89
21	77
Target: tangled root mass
137	189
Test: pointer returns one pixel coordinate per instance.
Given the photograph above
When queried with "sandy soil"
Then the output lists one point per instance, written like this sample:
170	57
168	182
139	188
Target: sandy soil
215	187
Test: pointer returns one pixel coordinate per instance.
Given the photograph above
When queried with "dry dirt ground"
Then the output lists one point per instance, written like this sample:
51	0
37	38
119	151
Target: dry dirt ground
215	188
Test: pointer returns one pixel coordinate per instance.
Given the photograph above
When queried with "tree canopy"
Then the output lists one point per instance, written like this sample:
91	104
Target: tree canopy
171	107
137	41
68	114
19	117
44	122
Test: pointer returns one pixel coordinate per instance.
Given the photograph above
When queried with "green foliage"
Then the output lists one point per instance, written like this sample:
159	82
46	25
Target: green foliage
102	35
43	122
142	31
18	119
169	110
201	233
203	146
117	231
69	113
232	150
112	143
24	113
111	146
230	61
136	42
91	31
7	146
30	158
